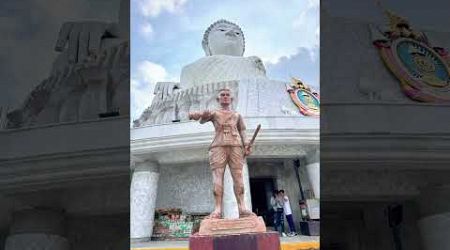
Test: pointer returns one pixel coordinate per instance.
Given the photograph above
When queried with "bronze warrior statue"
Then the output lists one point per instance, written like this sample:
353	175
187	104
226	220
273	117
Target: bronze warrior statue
230	146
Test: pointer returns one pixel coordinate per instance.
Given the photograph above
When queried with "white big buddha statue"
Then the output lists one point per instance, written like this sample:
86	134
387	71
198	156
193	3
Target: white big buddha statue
222	66
224	46
89	78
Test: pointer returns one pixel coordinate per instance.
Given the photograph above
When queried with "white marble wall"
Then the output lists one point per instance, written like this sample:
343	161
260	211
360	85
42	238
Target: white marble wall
187	186
253	97
166	107
266	98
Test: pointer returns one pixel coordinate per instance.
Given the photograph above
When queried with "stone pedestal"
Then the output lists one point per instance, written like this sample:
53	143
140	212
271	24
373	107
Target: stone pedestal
143	191
250	224
37	229
230	208
253	241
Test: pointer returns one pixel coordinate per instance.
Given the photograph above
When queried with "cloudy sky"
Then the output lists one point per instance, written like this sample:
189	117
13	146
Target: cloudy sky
167	34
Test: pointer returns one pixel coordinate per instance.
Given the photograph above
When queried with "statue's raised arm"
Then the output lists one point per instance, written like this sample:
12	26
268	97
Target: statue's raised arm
204	116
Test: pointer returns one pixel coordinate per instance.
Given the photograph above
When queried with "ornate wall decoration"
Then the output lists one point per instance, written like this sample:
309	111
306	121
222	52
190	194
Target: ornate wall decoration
306	99
423	70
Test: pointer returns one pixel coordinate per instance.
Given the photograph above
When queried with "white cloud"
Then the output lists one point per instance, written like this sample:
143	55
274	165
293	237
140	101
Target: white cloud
299	21
269	52
317	33
150	72
146	30
152	8
304	64
272	39
142	85
308	22
274	58
313	3
140	98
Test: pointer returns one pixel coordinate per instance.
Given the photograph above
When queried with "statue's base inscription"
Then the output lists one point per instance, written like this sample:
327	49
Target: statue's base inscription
251	224
246	241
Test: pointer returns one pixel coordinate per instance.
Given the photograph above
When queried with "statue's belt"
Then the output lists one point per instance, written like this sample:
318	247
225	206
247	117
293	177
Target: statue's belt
226	128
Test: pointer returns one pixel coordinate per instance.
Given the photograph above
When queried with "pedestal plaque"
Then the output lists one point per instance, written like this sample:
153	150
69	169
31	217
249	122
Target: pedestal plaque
245	241
250	224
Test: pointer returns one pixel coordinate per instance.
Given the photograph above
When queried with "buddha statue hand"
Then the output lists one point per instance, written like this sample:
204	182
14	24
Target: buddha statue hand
258	63
83	38
164	89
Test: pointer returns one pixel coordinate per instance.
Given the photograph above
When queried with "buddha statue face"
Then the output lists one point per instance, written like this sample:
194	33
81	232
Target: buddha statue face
223	38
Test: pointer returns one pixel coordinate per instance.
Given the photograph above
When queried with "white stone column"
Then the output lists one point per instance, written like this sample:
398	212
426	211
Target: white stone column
143	191
230	208
434	226
37	229
435	231
313	171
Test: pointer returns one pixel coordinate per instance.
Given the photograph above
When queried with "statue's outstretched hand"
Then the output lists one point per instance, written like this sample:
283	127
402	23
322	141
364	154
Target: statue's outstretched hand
194	115
202	116
83	38
206	115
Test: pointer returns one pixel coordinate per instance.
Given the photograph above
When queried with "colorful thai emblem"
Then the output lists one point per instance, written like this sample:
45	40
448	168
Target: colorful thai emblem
422	70
306	99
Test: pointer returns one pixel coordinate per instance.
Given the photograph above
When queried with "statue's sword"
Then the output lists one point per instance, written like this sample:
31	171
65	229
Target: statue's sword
254	135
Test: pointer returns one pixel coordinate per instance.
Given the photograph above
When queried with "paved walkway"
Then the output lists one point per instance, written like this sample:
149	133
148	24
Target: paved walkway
299	242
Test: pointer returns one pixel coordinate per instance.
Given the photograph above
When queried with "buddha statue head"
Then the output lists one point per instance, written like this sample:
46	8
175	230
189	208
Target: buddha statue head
223	38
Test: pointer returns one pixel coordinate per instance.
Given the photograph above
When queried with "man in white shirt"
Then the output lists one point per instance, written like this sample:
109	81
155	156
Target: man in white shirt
288	212
276	202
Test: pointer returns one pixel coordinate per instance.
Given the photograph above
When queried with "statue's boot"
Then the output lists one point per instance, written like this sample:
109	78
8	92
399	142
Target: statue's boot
215	215
246	213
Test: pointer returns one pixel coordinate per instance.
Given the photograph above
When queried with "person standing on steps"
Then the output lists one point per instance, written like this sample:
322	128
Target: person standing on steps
288	213
277	205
